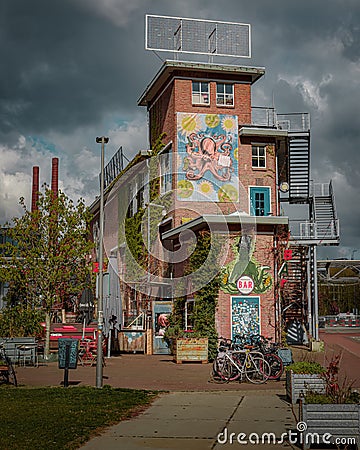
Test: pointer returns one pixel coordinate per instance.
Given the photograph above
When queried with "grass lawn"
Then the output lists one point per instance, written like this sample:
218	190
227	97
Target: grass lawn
62	418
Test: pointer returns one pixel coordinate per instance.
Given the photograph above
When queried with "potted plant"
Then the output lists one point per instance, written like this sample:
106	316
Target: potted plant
186	345
191	347
334	414
172	332
302	377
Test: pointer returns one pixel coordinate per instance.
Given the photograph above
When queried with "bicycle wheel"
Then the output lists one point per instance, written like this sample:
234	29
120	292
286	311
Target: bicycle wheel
276	365
257	370
229	371
216	371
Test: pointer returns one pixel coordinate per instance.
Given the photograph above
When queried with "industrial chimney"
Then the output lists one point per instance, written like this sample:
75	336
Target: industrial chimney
55	176
35	189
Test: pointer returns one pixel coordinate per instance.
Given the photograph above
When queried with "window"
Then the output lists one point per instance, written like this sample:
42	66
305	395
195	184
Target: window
138	194
200	93
258	156
165	172
224	94
189	314
132	201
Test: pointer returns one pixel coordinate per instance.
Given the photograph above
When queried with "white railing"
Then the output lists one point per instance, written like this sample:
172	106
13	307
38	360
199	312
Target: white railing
263	117
308	230
133	320
320	189
267	117
293	121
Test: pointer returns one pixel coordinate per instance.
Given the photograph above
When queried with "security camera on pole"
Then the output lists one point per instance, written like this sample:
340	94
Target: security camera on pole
99	368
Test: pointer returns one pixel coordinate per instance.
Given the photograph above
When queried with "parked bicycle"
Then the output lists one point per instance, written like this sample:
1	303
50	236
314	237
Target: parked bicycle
7	371
237	364
267	348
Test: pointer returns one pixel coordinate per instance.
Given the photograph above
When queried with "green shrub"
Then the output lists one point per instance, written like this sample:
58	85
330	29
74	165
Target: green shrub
324	399
305	367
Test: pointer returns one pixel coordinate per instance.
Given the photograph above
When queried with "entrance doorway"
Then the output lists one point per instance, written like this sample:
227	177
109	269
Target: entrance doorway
259	201
161	311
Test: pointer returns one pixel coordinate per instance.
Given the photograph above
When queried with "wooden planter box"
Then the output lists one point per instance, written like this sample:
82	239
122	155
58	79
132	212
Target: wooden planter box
191	349
298	384
339	420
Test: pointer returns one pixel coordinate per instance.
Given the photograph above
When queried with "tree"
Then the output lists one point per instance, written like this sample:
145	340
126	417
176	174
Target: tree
47	253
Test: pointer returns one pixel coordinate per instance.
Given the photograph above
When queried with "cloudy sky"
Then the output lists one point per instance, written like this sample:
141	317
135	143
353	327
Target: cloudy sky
72	70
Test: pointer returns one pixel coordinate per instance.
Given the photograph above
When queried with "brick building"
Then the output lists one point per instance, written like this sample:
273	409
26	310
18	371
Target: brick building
220	165
223	179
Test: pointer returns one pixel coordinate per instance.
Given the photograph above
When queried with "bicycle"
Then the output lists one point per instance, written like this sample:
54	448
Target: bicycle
266	348
230	365
269	350
7	371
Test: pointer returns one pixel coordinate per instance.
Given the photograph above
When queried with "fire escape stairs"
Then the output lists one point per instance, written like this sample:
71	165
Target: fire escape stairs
325	217
299	166
294	289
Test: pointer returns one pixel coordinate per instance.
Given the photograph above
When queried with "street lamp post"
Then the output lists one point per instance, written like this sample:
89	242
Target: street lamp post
100	314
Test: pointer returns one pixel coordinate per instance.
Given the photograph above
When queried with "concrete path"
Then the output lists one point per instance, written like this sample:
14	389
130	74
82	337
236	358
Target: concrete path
202	421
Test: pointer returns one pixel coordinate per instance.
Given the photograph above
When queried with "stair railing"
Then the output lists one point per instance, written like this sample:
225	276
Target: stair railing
320	189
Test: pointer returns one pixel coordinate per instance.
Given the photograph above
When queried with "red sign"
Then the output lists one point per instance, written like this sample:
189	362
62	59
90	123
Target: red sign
96	267
287	254
245	285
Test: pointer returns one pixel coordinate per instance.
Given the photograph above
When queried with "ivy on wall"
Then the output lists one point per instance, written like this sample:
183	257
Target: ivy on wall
137	257
135	243
208	248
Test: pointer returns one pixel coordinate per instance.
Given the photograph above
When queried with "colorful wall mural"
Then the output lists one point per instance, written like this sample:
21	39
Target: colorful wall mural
207	165
245	315
244	263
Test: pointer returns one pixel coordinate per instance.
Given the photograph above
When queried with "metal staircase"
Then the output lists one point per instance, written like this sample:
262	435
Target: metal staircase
322	227
299	166
293	292
324	214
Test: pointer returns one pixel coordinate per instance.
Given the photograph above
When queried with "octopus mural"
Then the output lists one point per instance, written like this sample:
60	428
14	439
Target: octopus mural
207	164
208	154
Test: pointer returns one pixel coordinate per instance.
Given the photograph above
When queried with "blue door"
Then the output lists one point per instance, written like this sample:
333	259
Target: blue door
160	313
259	201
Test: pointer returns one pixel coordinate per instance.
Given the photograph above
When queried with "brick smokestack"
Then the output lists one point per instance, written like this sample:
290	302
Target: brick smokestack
35	189
55	176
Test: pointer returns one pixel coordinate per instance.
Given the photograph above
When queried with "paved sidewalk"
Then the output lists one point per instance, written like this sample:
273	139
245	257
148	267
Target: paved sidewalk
194	411
153	372
203	421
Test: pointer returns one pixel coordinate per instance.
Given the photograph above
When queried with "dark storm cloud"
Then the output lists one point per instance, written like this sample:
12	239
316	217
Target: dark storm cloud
63	66
72	67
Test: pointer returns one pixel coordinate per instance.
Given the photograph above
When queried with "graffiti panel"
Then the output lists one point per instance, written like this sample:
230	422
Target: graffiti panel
207	165
245	315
